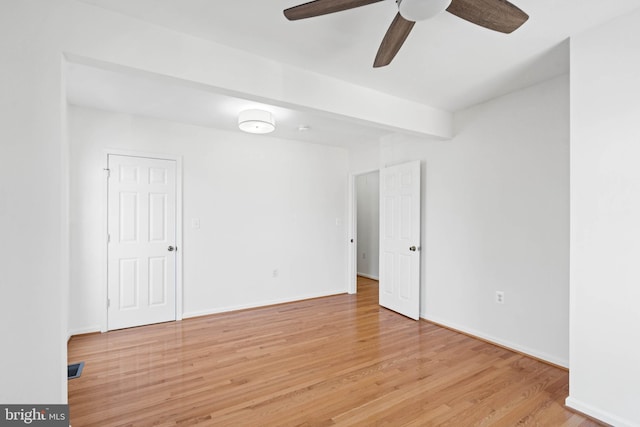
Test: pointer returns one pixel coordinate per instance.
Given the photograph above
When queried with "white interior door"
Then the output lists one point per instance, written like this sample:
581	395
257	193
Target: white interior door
142	233
400	239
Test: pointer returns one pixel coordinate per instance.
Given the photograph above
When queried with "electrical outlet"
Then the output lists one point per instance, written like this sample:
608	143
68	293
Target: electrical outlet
364	255
274	273
499	297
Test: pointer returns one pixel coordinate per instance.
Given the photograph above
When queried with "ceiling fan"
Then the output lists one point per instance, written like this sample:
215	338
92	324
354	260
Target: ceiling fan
497	15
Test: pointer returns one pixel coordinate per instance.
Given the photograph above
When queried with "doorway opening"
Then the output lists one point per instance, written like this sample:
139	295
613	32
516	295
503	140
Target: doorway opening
365	253
398	213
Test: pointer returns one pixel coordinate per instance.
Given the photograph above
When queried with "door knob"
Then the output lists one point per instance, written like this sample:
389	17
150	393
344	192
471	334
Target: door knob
171	248
413	249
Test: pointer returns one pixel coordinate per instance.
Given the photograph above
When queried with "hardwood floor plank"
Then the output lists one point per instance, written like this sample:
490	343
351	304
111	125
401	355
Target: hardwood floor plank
340	360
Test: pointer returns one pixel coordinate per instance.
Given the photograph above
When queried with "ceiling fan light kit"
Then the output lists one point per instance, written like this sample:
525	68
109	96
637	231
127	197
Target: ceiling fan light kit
256	121
420	10
497	15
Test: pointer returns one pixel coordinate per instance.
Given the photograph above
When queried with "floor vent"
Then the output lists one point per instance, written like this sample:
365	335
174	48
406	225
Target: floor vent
74	370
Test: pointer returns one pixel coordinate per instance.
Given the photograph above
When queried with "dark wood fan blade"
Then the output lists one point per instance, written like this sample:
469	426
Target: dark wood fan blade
497	15
323	7
393	41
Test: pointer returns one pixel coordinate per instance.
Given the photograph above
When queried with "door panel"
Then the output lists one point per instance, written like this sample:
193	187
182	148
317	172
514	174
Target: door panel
157	217
400	232
129	283
157	281
142	225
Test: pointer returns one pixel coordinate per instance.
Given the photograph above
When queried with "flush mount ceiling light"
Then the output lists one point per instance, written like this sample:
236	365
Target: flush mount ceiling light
256	121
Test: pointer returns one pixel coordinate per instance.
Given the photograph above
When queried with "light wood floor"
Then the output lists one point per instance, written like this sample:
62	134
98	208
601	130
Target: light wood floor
340	360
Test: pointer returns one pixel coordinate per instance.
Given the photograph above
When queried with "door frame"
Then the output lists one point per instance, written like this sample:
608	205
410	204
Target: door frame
105	226
352	195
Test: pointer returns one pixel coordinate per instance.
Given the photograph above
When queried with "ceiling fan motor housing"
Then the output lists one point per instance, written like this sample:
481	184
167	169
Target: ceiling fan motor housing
420	10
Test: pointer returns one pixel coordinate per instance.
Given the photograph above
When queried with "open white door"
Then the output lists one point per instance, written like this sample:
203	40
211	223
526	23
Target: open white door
141	265
400	239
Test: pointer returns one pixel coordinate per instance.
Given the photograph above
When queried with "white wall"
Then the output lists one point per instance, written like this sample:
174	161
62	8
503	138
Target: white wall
368	233
605	222
33	290
264	204
496	218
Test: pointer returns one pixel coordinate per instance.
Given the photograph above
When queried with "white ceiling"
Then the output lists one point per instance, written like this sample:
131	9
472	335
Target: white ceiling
171	99
446	62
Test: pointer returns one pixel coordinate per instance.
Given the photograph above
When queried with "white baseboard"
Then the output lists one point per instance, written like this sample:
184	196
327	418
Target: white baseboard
598	413
188	314
368	276
81	331
504	343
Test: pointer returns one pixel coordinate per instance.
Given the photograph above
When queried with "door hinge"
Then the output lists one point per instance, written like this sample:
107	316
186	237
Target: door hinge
108	171
108	302
108	238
